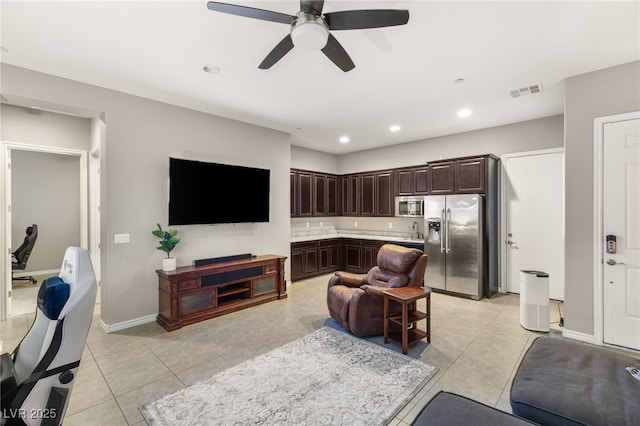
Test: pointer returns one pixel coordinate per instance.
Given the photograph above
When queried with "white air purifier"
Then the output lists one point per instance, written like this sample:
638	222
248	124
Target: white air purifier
534	300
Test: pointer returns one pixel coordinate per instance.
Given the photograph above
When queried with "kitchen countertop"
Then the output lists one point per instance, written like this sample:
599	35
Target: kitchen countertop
346	234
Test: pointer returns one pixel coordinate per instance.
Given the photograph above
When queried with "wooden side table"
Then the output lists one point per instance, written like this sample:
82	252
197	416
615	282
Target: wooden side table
407	297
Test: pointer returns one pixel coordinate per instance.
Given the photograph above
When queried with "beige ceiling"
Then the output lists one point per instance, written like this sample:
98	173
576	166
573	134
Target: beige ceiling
404	75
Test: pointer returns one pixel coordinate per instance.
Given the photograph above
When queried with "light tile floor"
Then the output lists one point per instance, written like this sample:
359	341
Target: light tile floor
476	345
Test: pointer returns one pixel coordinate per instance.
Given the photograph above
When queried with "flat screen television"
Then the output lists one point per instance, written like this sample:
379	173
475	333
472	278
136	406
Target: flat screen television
210	193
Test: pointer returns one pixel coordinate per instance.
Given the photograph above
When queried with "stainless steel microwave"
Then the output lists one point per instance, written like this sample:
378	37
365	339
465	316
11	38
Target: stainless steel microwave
409	206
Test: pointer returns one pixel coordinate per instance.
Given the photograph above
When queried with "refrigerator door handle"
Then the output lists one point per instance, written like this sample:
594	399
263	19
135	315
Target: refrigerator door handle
448	243
443	232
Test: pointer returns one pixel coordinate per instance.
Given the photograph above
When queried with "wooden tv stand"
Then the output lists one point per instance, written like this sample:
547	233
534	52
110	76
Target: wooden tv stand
196	293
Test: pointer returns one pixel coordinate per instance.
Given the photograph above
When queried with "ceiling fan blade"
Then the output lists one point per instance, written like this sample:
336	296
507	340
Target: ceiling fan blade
362	19
334	51
251	12
281	49
313	7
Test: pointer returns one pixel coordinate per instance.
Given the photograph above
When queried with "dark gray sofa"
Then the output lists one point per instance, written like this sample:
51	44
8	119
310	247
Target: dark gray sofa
450	409
561	382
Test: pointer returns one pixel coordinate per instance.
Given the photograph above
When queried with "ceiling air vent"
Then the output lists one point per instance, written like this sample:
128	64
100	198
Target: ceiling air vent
527	90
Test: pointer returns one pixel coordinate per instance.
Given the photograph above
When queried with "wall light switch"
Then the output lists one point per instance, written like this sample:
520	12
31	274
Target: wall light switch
321	224
121	238
355	223
307	224
390	225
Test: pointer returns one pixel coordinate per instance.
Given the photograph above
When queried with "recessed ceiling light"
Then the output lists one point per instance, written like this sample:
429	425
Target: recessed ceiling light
394	128
344	139
464	112
211	69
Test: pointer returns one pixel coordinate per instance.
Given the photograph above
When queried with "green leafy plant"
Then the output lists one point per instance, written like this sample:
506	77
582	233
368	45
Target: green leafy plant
168	239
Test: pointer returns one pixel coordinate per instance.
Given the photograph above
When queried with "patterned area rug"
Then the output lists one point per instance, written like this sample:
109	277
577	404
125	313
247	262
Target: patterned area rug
327	377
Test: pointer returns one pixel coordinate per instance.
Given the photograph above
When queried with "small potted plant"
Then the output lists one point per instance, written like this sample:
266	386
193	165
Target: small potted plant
168	242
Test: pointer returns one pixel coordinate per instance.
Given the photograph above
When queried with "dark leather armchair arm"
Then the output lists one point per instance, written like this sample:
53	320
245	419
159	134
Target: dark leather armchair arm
347	279
373	291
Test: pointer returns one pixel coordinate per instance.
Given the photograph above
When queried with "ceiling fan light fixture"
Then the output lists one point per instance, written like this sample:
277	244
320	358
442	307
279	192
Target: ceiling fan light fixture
309	32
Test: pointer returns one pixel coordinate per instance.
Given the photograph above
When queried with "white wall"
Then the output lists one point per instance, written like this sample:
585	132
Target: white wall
140	135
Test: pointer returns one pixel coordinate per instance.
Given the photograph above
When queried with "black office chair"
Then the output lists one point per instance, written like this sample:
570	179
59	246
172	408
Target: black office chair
22	253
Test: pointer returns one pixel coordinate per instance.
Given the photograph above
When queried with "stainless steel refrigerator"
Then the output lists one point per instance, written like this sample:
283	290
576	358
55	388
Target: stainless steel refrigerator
458	230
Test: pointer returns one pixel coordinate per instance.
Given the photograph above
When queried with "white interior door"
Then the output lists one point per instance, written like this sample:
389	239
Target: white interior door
533	217
621	218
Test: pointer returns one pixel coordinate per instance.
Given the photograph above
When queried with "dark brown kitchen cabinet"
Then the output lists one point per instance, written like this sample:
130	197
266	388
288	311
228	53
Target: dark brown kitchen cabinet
319	195
377	194
304	260
470	176
411	181
465	175
333	196
352	250
384	193
360	255
404	182
421	181
370	250
293	187
351	195
305	194
368	199
316	257
328	255
314	194
441	177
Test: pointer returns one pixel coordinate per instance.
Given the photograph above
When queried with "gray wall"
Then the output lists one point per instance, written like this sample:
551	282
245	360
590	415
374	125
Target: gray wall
606	92
140	136
36	127
42	192
530	135
307	159
40	181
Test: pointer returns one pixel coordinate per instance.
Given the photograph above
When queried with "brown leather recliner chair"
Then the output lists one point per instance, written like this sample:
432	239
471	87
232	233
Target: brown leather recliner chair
356	300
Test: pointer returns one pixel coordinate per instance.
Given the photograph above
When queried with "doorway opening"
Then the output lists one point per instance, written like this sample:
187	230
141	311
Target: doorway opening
16	202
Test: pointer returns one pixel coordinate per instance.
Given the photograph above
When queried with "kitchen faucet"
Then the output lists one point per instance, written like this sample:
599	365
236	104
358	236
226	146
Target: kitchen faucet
414	231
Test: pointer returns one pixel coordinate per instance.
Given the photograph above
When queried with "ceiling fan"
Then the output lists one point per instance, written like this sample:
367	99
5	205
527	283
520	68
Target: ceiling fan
309	28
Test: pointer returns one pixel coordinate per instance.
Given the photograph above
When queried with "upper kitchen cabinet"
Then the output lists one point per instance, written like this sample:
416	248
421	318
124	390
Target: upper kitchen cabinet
377	194
305	194
293	188
333	196
441	177
319	195
351	195
384	193
411	181
470	176
368	200
465	175
314	194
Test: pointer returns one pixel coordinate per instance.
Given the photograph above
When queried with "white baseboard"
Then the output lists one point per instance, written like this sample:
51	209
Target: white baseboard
576	335
32	273
110	328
